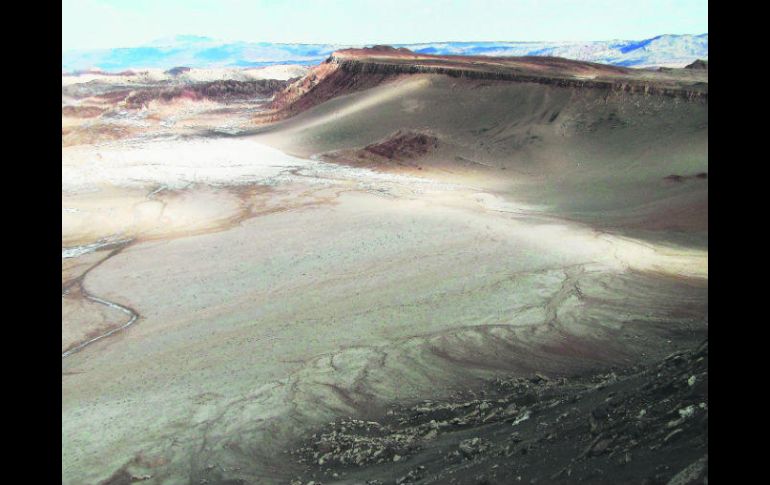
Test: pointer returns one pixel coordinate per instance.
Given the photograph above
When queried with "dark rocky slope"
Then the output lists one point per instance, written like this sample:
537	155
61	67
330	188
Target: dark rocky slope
698	64
647	424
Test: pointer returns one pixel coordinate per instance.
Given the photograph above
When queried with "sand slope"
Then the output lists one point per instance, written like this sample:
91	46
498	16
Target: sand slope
585	153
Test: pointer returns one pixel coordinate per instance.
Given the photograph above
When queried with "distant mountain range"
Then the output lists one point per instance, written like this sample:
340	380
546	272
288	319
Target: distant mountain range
205	52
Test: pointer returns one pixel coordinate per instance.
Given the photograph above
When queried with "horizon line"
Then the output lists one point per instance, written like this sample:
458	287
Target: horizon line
221	40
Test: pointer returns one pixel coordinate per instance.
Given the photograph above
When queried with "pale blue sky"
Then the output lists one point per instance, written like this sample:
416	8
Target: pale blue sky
124	23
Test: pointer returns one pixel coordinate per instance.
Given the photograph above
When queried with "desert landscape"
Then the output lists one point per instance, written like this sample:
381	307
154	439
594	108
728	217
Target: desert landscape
389	267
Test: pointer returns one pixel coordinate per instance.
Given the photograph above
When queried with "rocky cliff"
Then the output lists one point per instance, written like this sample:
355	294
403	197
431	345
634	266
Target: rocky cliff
628	84
353	70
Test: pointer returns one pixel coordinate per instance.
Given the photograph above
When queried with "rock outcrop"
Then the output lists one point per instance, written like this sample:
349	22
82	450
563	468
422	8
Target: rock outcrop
698	64
403	145
221	91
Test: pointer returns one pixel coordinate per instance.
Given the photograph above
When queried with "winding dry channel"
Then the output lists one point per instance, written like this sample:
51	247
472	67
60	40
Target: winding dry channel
78	251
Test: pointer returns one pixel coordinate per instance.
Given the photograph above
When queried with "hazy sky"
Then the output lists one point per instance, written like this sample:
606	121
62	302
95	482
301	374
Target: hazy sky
124	23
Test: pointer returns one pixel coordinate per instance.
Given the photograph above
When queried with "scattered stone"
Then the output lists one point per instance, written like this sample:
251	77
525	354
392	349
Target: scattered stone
511	410
687	412
539	379
413	476
523	417
472	447
625	417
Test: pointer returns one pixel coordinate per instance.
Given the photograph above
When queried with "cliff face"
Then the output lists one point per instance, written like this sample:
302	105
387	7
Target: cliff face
353	70
693	91
324	82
